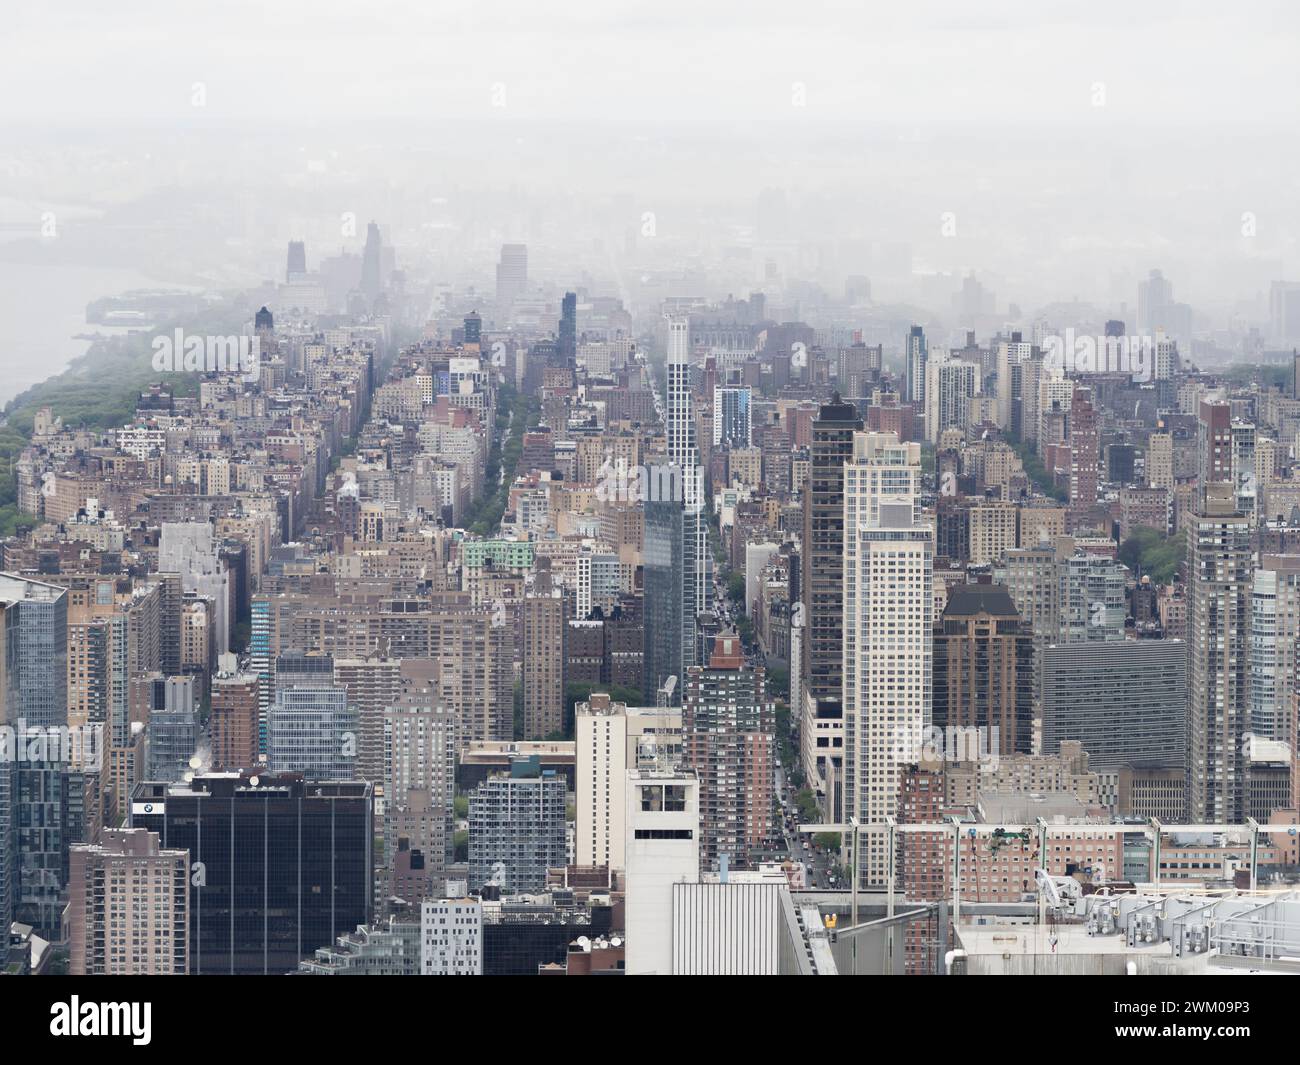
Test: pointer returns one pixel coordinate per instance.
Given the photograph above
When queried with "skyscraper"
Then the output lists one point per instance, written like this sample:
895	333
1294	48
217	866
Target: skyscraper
600	727
517	828
1091	598
888	639
1125	701
731	417
915	357
173	729
1219	573
729	739
983	669
512	274
566	345
372	281
33	695
542	625
1085	449
1213	442
234	719
1274	642
667	630
279	867
473	330
823	512
1155	303
663	849
128	907
295	268
420	776
312	729
822	583
950	384
684	461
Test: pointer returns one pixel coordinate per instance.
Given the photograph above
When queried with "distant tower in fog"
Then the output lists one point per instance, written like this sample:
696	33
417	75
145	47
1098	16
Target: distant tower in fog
371	260
296	267
473	329
512	274
567	345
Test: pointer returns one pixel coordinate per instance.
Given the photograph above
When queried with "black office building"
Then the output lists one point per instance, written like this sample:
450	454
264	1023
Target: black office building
280	867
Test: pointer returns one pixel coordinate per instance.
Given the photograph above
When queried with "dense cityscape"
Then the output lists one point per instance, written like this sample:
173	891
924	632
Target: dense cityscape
556	640
752	542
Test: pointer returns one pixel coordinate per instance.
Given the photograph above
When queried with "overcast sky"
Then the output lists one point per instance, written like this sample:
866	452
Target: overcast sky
1055	151
136	61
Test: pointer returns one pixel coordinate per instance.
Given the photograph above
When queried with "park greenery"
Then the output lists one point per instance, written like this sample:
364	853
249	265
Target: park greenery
1148	552
98	391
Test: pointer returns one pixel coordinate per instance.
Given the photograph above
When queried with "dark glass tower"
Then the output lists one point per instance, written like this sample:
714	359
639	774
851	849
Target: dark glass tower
667	626
567	344
279	867
823	560
473	328
33	696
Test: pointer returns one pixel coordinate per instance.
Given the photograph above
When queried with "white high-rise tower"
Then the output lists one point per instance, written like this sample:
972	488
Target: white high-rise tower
684	457
888	612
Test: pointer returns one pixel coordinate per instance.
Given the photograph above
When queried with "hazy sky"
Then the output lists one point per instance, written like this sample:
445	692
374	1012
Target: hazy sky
1056	154
136	61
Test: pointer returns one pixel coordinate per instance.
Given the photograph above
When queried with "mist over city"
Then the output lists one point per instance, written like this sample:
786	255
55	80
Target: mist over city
649	488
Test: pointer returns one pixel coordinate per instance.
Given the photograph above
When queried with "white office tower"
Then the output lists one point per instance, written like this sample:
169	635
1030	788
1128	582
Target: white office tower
662	849
1012	356
888	612
679	426
1167	362
601	784
950	385
451	937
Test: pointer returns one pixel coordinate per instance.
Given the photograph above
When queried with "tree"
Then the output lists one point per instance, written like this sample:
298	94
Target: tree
736	591
1151	553
807	803
828	840
778	682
